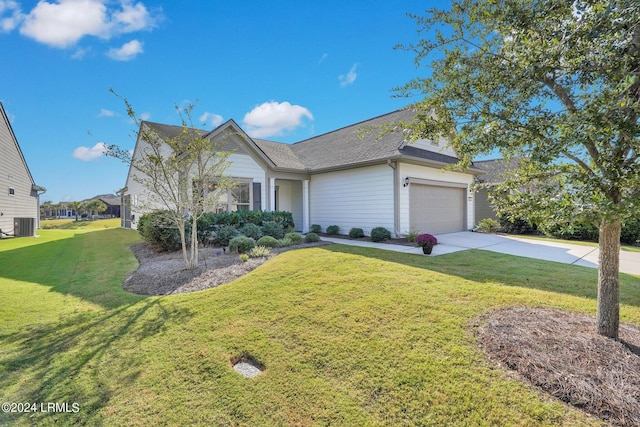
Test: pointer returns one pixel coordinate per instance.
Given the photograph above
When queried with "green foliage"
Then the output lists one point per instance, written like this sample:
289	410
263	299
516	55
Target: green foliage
631	231
251	230
311	238
333	229
158	229
268	241
488	225
259	252
285	242
244	257
295	238
380	234
316	228
241	244
413	233
225	234
273	229
516	226
572	231
356	233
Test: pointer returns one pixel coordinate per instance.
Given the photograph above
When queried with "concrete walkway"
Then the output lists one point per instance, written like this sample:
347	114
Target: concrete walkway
567	253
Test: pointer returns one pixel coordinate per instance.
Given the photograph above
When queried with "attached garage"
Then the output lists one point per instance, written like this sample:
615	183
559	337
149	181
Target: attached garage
437	209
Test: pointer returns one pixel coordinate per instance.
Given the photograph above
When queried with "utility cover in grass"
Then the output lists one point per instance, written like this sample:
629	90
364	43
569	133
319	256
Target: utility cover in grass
247	365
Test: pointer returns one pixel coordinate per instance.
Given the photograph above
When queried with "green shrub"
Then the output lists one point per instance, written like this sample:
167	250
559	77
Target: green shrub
631	232
380	234
516	226
259	251
333	229
316	228
488	225
311	238
244	257
241	244
273	229
285	241
356	233
268	241
158	230
240	218
295	238
225	234
413	233
251	230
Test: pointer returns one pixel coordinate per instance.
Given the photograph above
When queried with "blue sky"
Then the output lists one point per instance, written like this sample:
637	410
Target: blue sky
283	70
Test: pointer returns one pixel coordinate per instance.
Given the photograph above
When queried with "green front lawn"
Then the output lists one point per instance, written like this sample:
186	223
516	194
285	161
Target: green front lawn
349	336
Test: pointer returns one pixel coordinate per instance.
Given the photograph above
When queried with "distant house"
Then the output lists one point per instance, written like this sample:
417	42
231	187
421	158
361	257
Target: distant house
355	176
19	194
113	205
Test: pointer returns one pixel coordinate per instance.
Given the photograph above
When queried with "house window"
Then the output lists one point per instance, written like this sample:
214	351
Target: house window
238	198
12	191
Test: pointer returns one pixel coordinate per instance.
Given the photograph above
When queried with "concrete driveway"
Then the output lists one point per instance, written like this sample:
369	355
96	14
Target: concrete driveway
567	253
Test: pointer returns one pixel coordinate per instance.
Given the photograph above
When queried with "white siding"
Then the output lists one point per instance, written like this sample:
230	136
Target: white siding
432	174
361	197
14	174
242	166
290	199
441	147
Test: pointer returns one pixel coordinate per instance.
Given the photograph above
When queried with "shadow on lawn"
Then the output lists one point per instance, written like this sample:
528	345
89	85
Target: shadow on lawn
72	360
91	266
509	270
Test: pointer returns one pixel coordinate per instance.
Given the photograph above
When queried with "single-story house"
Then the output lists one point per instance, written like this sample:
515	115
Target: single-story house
356	176
19	194
113	205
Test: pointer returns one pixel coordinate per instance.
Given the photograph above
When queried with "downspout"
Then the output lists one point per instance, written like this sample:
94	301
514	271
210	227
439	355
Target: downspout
396	196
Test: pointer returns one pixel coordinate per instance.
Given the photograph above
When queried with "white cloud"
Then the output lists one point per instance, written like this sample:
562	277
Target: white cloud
127	52
10	15
214	120
349	78
87	154
64	22
145	116
274	118
324	56
106	113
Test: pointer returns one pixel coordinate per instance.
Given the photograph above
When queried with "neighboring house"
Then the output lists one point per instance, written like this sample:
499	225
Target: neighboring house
355	176
493	173
19	194
113	205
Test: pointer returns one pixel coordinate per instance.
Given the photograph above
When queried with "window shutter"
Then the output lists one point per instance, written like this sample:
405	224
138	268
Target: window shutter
257	196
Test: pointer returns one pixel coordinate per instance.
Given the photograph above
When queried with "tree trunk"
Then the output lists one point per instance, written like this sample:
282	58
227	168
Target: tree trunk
608	314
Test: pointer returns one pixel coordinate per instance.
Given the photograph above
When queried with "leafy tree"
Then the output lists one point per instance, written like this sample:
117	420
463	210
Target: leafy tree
46	209
77	207
183	174
96	206
555	83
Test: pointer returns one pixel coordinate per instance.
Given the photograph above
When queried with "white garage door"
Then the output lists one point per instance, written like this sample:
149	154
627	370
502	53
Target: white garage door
434	209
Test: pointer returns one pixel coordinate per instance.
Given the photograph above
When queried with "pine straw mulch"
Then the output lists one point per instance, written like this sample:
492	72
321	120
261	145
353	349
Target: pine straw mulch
561	353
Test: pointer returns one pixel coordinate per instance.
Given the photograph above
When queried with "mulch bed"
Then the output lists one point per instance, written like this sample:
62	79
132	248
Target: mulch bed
561	353
163	273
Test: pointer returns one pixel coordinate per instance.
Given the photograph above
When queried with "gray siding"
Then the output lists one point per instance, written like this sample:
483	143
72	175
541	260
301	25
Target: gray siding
483	207
14	174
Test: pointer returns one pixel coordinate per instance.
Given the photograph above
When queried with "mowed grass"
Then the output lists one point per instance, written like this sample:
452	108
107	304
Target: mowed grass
349	336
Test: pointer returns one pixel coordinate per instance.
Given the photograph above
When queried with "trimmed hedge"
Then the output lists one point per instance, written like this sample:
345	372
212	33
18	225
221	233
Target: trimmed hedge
157	230
241	244
333	229
311	238
356	233
268	241
380	234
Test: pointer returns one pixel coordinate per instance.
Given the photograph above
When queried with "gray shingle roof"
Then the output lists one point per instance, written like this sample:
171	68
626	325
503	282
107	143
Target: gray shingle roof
367	141
280	154
495	169
376	139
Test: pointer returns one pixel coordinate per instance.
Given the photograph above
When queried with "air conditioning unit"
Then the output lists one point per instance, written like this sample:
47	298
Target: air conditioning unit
24	227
